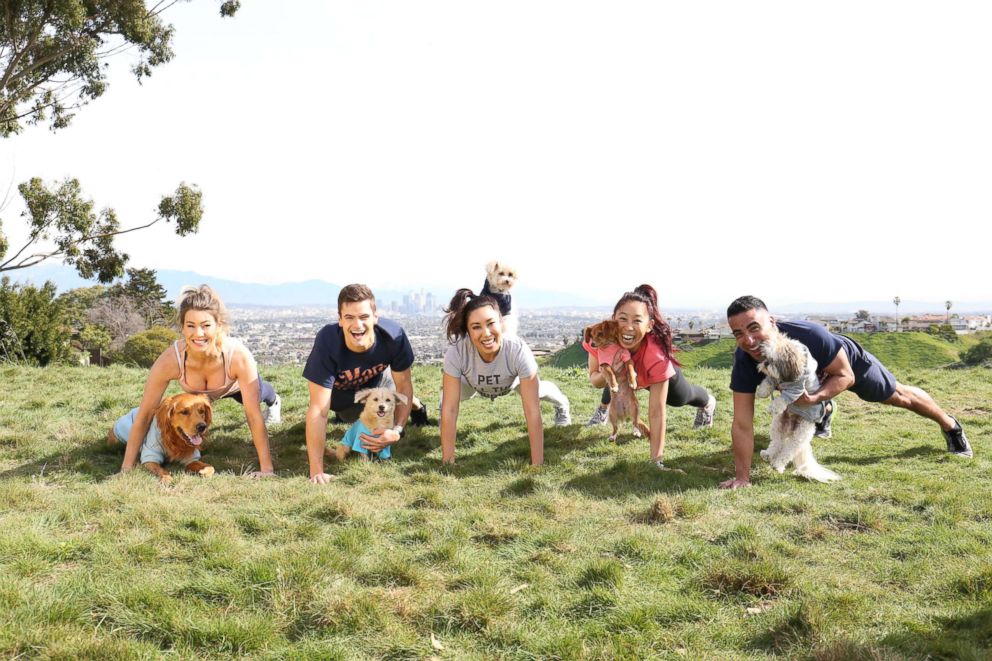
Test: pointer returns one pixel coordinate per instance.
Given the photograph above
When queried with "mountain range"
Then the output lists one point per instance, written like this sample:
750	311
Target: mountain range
321	293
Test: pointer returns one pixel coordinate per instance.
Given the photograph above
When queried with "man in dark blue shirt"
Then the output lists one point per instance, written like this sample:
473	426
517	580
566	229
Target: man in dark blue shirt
843	364
360	351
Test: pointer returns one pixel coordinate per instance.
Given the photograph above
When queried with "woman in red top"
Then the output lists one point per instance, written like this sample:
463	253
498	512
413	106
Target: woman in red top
648	337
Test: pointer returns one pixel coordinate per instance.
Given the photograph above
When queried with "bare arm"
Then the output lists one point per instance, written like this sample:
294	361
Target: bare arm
316	431
244	369
838	377
742	440
381	438
657	416
162	372
596	378
452	392
532	414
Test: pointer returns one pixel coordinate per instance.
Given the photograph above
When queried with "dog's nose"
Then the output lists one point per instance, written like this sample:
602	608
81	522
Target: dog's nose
200	428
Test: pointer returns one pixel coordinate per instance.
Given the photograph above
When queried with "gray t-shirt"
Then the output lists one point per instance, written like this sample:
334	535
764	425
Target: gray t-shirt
514	360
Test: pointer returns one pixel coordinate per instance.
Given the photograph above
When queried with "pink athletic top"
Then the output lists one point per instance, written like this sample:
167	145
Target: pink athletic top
607	355
231	384
651	363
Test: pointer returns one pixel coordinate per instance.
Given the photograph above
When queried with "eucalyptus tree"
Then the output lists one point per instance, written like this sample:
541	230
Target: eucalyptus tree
52	63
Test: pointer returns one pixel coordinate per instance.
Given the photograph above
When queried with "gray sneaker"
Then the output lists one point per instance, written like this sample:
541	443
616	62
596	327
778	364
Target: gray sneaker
562	416
599	417
272	415
704	414
957	442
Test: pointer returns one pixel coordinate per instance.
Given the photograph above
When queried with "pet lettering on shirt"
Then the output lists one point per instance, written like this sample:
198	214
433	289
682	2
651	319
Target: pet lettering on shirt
491	386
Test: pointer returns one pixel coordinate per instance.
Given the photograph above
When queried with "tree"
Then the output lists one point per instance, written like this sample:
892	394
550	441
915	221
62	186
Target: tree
33	325
80	237
947	306
146	296
51	53
862	315
51	64
897	301
118	317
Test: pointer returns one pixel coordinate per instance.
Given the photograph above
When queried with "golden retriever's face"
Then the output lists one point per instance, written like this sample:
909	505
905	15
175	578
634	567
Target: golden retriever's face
784	358
500	276
188	416
380	404
602	334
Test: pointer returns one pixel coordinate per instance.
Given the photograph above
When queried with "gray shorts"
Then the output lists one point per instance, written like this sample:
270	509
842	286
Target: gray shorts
873	382
351	413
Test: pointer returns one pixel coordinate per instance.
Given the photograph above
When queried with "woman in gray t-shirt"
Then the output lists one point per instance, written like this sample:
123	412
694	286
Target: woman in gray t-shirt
482	361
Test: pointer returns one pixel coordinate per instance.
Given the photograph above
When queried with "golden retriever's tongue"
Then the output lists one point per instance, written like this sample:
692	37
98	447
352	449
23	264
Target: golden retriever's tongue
196	440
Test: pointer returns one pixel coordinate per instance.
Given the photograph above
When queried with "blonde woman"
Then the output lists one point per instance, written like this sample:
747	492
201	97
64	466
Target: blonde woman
205	361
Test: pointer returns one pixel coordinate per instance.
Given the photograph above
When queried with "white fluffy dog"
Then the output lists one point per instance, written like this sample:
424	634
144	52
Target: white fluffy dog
500	278
788	366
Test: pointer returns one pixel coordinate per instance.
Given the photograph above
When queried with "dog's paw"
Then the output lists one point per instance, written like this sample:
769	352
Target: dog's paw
613	438
766	455
206	471
615	388
637	433
165	479
779	466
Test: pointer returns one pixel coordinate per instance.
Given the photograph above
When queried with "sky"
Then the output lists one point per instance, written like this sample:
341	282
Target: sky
801	152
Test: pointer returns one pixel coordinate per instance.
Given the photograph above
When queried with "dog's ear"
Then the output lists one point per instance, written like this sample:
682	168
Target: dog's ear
208	411
164	412
587	334
401	398
361	395
492	266
792	360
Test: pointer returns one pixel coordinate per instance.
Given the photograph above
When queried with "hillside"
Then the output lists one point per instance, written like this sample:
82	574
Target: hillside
596	555
899	351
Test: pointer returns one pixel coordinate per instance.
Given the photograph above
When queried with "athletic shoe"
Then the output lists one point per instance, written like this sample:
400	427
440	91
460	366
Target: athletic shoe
599	417
823	429
704	414
562	416
957	442
272	415
418	417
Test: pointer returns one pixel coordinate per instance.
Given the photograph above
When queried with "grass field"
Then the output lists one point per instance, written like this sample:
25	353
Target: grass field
595	555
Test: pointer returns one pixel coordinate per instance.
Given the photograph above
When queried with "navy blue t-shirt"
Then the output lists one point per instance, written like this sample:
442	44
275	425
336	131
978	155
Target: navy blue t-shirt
333	365
822	344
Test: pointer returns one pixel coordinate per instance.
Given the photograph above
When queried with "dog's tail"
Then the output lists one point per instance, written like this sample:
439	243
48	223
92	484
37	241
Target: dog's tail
807	466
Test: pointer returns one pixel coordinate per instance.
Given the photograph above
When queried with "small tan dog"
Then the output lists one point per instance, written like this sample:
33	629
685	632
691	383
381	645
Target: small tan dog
603	341
176	435
379	411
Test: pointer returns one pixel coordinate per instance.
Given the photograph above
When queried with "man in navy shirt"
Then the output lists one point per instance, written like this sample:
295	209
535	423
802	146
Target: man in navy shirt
842	364
360	351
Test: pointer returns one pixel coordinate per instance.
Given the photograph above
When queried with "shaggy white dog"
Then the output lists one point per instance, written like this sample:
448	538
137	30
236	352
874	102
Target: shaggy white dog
789	367
500	278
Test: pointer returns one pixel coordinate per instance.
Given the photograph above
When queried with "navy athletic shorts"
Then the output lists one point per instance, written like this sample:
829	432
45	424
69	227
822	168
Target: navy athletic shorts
872	381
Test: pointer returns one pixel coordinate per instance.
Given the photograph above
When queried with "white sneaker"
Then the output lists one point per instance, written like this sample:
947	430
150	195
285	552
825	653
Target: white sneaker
272	415
563	417
704	414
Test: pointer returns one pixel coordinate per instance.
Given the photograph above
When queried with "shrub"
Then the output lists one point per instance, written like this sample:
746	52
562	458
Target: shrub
978	354
143	348
33	324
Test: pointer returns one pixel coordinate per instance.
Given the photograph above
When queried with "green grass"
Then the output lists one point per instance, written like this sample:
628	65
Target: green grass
595	555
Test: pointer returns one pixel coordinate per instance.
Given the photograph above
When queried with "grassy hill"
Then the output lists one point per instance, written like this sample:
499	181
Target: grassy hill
899	351
595	555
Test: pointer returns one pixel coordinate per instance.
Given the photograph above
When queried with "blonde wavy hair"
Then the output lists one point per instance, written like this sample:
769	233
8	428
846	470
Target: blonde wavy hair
203	299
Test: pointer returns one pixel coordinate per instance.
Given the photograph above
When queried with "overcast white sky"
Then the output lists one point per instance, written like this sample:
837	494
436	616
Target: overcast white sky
798	151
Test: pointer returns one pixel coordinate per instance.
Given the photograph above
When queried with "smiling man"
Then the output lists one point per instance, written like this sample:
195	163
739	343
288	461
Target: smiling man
360	351
843	365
